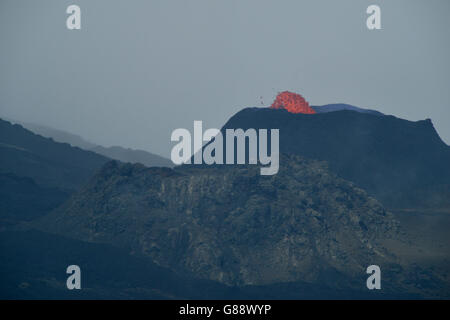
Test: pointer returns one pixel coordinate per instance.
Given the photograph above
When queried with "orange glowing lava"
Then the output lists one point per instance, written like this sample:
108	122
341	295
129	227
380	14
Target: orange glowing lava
292	102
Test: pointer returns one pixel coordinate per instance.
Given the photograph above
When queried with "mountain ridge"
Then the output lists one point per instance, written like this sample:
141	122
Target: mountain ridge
343	106
49	163
393	159
114	152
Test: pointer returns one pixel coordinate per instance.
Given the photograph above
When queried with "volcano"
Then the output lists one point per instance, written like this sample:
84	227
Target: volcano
292	102
402	163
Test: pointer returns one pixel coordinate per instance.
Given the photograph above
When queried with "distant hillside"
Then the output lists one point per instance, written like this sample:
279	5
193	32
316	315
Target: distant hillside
48	163
58	135
133	156
117	153
38	174
343	106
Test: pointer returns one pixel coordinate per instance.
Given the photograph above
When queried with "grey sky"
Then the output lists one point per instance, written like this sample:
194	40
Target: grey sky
139	69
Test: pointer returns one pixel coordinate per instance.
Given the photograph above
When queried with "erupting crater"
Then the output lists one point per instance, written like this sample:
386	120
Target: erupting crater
292	102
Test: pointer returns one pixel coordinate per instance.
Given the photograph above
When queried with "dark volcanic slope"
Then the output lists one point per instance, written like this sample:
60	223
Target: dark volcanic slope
21	199
37	174
400	162
133	156
47	162
231	224
115	152
57	135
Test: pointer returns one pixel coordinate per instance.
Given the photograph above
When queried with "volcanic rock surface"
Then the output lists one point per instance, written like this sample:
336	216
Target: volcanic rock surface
232	225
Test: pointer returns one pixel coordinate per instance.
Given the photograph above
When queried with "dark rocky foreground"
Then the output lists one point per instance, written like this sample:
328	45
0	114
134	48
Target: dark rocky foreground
231	225
34	263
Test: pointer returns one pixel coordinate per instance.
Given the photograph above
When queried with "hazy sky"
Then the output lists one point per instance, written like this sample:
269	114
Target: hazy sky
139	69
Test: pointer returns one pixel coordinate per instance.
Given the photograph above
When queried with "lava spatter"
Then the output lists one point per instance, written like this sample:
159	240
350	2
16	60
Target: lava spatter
292	102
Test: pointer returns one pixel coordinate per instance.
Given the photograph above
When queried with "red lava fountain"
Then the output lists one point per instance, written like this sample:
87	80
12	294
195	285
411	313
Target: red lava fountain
292	102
